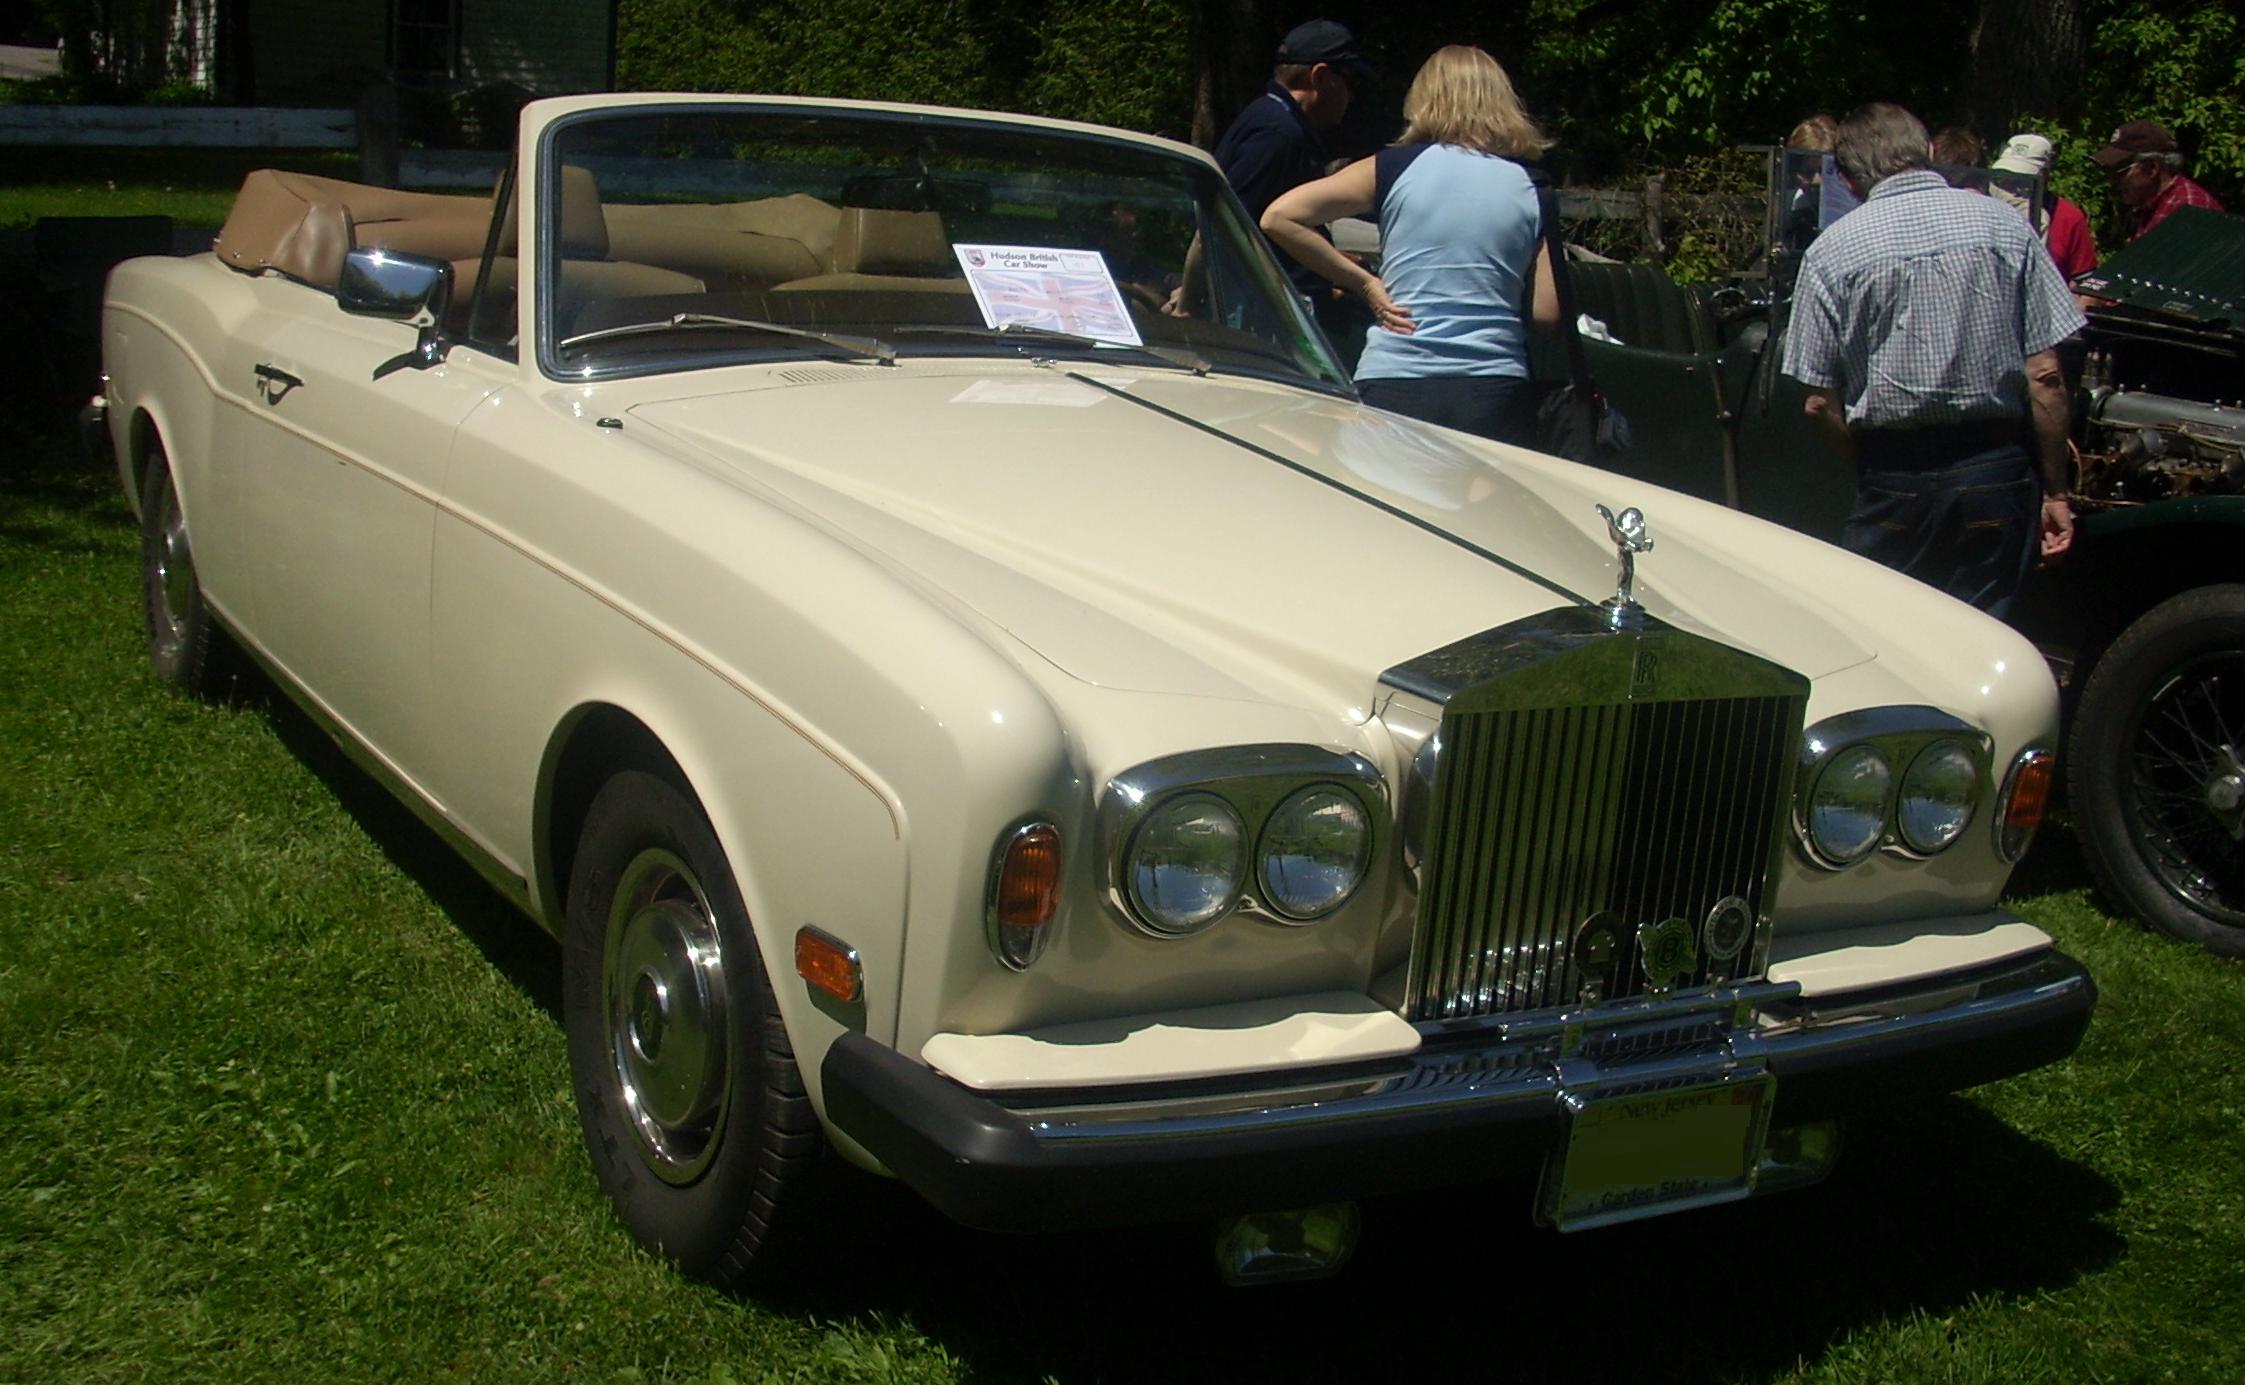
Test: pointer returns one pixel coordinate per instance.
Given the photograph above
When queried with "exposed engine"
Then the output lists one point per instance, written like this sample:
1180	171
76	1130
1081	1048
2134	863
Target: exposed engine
2138	445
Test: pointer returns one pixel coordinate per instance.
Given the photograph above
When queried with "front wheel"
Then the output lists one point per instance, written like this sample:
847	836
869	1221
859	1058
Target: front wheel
184	644
2158	774
687	1089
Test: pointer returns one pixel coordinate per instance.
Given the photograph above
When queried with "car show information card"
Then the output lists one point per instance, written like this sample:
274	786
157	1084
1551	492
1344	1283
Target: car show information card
1057	290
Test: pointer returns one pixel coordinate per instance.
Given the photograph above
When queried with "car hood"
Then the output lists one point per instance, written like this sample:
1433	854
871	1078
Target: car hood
1173	534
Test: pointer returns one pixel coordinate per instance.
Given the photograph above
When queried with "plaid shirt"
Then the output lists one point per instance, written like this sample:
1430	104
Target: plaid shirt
1921	306
2180	191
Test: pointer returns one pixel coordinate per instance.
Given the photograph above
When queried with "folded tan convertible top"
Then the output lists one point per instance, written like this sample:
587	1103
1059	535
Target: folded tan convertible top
303	225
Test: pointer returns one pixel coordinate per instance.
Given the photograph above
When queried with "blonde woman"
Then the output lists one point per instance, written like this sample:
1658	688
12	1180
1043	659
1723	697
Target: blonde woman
1461	241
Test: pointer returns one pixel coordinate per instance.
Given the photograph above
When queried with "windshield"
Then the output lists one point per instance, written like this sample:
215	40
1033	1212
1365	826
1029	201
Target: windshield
684	237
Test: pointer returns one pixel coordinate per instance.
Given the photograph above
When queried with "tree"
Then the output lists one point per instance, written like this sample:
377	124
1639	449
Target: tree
113	46
1232	45
2024	55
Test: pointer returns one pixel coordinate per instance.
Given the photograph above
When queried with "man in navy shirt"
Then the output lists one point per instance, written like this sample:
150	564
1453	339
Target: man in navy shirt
1278	142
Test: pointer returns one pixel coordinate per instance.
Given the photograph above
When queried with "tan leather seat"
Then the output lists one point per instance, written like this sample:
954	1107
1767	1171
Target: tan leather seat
878	249
587	275
739	246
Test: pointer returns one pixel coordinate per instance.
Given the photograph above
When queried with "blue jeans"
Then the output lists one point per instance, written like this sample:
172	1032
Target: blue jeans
1500	407
1971	527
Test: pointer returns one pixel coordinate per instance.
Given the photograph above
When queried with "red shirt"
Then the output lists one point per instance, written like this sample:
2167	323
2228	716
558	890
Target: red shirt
2179	192
2069	240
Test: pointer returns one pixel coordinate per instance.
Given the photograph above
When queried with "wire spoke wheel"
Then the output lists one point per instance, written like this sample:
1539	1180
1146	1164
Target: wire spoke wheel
2187	785
2157	750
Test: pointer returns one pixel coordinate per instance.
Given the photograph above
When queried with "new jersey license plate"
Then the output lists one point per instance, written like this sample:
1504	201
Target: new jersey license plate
1644	1153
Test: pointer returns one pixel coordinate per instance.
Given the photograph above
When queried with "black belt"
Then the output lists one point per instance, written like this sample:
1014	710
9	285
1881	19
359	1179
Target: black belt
1935	446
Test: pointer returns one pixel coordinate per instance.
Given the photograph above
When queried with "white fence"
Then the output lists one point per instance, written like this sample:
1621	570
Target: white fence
181	127
255	127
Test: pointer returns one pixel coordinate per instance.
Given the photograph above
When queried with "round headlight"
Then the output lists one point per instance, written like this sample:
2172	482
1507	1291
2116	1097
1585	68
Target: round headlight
1847	808
1315	847
1187	862
1938	793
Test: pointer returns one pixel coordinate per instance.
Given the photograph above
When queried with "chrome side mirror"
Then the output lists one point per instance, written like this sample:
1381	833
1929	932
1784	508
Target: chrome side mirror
385	283
402	288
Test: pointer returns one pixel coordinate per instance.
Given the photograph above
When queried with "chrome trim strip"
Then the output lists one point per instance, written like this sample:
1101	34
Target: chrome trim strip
1507	1072
1633	1012
1524	1087
1822	1030
1555	1037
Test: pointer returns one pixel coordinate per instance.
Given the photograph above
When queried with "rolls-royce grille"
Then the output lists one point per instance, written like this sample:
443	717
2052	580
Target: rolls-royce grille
1545	820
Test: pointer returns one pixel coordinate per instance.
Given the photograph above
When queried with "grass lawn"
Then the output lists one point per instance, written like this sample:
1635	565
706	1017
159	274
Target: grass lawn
283	1096
191	186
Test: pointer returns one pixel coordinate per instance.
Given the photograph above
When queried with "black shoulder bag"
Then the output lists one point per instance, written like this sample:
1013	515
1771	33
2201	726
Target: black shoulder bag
1574	420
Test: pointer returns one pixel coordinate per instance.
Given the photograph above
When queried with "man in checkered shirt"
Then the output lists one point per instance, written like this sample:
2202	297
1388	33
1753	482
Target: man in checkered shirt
1926	324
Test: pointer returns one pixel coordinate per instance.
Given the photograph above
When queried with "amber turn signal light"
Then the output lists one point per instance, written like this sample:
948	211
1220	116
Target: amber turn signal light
1024	892
1029	878
828	964
2026	796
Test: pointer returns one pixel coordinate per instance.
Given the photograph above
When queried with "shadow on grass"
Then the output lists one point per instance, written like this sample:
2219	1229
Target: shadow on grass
508	940
52	538
45	468
1932	1208
2053	865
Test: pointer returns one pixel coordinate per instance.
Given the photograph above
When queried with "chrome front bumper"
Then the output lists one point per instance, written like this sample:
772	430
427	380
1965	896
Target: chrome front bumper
1477	1100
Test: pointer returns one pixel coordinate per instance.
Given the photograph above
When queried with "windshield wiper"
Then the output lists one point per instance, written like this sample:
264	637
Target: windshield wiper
1176	356
872	347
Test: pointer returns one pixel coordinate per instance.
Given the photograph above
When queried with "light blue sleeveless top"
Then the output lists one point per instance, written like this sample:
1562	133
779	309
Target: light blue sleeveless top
1458	237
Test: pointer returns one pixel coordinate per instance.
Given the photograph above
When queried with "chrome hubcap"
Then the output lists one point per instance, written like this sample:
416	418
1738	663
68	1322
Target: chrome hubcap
665	1008
175	569
2225	794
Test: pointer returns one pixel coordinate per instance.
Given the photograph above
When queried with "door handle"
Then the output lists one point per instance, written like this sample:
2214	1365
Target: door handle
274	383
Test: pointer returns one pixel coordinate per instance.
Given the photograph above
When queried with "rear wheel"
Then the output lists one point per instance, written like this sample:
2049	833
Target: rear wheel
2158	774
687	1089
184	645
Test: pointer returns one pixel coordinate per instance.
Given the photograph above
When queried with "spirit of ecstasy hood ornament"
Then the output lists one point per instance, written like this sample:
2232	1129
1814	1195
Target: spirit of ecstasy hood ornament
1627	530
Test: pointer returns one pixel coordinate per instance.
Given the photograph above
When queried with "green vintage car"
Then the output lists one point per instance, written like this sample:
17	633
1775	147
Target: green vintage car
2144	622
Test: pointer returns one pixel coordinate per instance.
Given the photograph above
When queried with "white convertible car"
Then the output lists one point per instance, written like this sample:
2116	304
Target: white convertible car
1070	757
